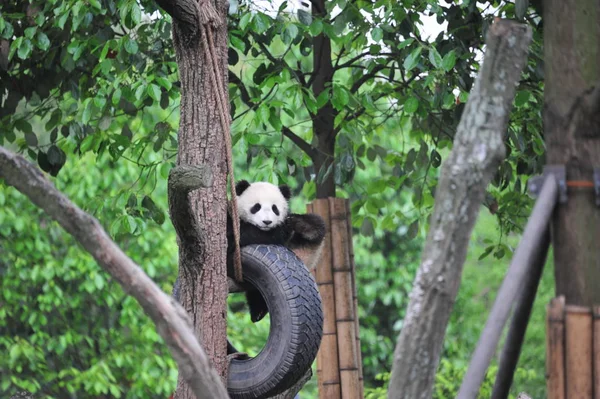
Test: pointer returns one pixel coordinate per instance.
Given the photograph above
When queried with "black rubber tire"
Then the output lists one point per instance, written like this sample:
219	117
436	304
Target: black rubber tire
296	328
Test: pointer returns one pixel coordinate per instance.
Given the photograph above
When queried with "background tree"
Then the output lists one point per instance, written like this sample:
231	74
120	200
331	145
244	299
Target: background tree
571	129
100	97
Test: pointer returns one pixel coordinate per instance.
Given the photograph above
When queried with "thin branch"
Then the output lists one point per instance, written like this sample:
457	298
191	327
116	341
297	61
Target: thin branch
366	77
171	320
286	131
358	57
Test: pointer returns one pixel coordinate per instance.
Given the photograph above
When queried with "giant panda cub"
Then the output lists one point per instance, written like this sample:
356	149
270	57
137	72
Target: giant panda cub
263	209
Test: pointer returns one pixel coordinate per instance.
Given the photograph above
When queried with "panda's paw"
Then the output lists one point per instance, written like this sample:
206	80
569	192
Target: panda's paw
256	305
309	227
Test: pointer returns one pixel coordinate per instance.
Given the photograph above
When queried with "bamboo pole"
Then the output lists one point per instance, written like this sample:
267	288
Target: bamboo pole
578	350
555	350
327	357
344	304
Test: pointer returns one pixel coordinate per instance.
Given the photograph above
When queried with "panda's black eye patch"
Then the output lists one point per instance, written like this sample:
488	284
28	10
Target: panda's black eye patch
275	210
255	209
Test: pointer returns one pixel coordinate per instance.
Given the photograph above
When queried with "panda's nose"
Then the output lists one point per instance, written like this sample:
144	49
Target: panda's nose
267	222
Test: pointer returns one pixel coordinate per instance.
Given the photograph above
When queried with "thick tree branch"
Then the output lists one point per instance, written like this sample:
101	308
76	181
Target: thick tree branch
172	322
182	180
300	142
478	150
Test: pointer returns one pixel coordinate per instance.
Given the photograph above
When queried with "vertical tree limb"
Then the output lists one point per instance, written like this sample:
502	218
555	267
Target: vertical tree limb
572	134
172	323
202	275
477	153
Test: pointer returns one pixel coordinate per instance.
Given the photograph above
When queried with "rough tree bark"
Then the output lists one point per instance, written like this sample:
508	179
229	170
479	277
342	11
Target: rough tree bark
172	323
477	153
202	269
324	119
572	133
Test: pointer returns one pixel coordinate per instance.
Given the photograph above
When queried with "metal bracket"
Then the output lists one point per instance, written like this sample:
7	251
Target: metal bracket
534	184
597	185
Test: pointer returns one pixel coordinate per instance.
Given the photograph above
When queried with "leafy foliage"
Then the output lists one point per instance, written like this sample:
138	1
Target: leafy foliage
68	330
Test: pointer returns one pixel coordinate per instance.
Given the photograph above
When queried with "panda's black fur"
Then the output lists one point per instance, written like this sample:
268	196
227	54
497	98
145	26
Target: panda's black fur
265	219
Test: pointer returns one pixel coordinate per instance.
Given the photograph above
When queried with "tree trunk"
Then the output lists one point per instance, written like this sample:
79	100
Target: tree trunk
202	270
477	153
323	122
572	132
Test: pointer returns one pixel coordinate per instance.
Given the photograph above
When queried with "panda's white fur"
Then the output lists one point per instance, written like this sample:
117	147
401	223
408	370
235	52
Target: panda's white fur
272	206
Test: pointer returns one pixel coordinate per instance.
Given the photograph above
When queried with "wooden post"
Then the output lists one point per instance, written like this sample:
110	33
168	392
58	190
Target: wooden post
327	357
355	299
339	368
555	351
578	352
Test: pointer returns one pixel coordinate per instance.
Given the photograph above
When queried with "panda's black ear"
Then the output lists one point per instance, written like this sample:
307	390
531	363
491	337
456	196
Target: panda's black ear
285	190
241	186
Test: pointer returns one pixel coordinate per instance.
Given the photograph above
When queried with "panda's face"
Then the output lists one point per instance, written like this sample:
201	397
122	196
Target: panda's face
262	204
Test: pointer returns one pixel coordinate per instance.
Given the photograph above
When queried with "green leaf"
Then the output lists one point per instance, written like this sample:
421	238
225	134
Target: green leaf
413	59
130	45
316	27
245	20
289	33
521	7
367	229
261	22
105	122
8	31
139	92
87	111
411	105
136	13
522	98
23	126
43	42
166	83
304	17
87	143
116	96
24	49
31	139
340	98
154	91
56	156
30	32
435	58
449	61
155	212
100	101
377	34
413	230
264	113
14	47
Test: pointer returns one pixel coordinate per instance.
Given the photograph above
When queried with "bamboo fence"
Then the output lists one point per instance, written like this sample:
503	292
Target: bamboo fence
339	367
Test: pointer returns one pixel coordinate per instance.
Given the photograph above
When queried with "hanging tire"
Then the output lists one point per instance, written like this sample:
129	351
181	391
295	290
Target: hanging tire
296	328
